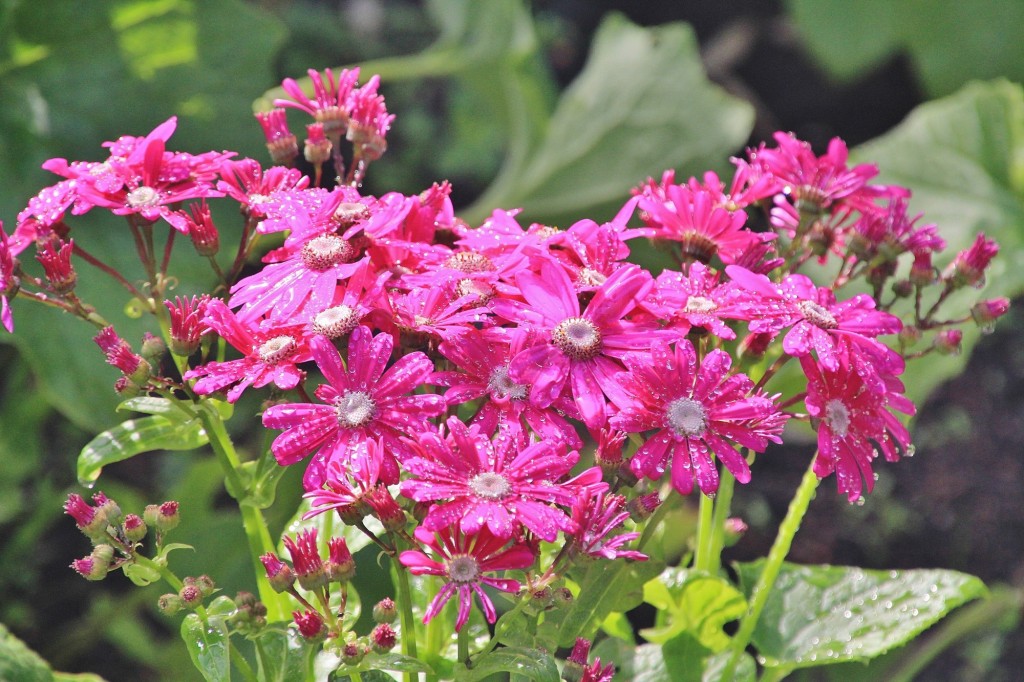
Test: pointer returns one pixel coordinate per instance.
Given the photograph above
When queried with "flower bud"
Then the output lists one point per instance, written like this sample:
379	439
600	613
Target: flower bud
55	257
988	311
169	604
735	528
385	509
755	345
385	611
609	451
191	595
903	288
353	653
109	508
153	349
90	520
202	231
279	573
309	568
281	144
165	517
948	342
134	527
383	638
577	661
94	566
641	508
909	335
205	584
341	567
311	624
922	272
318	148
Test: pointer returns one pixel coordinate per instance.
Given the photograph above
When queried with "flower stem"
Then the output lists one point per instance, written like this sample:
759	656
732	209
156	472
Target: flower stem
723	505
783	542
405	599
463	644
705	528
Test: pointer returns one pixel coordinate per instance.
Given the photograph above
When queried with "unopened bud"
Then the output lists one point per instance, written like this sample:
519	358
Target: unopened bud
948	342
903	288
341	567
169	604
735	528
134	527
988	311
191	595
353	653
385	509
311	624
577	661
383	638
385	611
909	335
279	573
166	517
318	148
109	508
153	349
922	272
641	508
755	345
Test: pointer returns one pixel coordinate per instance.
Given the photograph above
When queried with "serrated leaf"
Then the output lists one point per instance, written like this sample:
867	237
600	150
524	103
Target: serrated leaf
696	603
605	587
134	437
283	656
963	158
535	664
817	615
848	38
208	645
641	104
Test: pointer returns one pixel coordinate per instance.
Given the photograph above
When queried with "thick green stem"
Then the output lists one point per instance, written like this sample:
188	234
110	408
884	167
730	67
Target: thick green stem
407	620
463	645
705	528
255	526
723	506
780	549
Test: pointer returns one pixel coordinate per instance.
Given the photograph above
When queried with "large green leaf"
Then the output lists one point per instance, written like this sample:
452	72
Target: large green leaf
818	615
209	646
642	104
283	656
963	158
534	664
949	42
681	659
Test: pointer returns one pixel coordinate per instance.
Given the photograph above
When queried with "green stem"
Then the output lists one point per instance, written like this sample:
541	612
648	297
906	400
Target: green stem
408	623
705	528
723	506
243	665
779	551
255	526
463	645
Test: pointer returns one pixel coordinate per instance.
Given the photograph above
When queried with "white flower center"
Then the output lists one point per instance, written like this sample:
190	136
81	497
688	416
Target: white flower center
501	386
699	304
355	409
276	349
349	213
578	338
817	315
463	569
469	261
258	199
687	417
336	321
837	416
326	251
490	485
143	196
589	277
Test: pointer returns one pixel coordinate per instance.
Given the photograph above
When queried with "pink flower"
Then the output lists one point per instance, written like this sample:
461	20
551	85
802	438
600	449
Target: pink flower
494	485
270	354
281	143
597	517
305	554
582	346
45	210
363	401
968	269
330	103
9	283
251	186
696	410
854	422
698	299
463	560
346	483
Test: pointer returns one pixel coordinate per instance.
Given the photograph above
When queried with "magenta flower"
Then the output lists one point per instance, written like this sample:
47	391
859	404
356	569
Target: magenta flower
251	186
330	103
697	410
582	346
9	283
855	422
346	483
818	322
494	485
698	299
968	268
463	560
597	518
270	355
363	401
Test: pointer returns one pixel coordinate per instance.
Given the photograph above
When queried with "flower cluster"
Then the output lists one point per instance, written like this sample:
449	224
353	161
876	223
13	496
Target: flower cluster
468	370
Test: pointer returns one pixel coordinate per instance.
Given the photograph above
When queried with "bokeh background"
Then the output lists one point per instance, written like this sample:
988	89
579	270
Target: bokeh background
73	75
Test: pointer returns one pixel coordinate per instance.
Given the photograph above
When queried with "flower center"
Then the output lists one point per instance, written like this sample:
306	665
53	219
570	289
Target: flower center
336	321
258	199
355	409
837	416
276	349
817	315
697	246
578	338
469	261
143	196
589	277
490	485
349	213
482	290
699	304
326	251
501	386
463	569
687	417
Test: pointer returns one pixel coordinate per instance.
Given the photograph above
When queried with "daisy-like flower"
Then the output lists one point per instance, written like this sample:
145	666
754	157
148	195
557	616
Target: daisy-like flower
496	485
347	482
428	315
251	186
703	228
369	122
597	517
698	299
270	354
855	422
818	322
968	268
483	361
330	103
44	210
186	323
582	345
890	232
697	410
464	560
362	401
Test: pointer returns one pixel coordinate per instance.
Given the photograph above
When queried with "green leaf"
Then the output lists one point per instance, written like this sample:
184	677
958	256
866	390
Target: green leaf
282	655
141	575
848	38
397	662
695	603
641	104
818	615
681	659
535	664
963	158
208	645
18	663
605	587
134	437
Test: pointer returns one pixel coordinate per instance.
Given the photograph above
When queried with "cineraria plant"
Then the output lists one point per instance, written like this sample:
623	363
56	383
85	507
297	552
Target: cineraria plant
505	416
